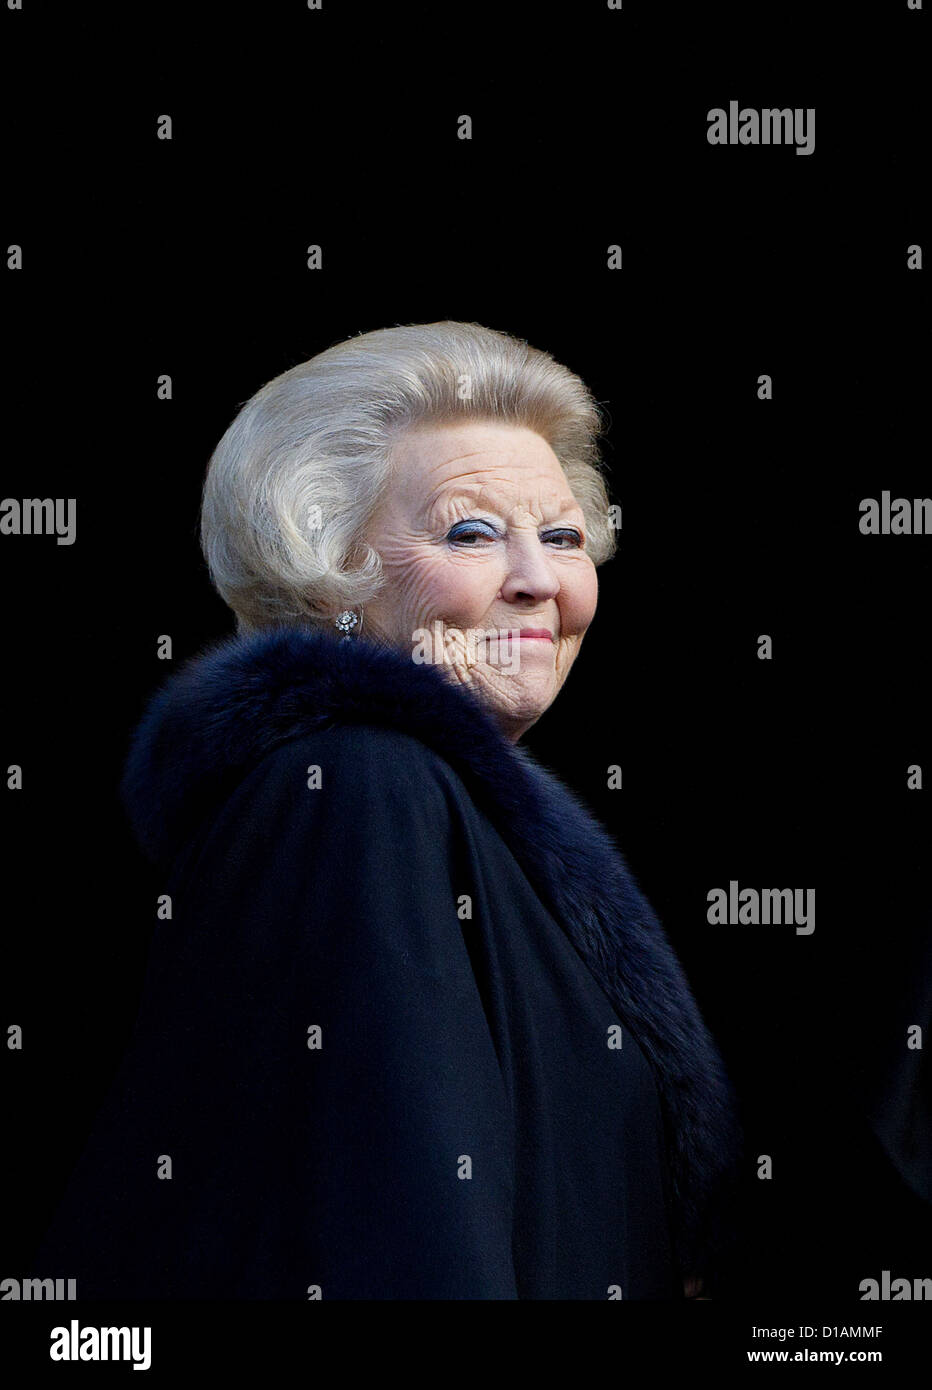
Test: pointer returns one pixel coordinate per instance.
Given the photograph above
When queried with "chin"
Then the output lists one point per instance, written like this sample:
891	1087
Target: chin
524	712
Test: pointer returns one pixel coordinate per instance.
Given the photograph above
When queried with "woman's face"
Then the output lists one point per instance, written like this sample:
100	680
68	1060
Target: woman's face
483	551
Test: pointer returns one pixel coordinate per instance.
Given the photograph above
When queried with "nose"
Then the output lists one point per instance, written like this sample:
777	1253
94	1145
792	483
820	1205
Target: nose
531	574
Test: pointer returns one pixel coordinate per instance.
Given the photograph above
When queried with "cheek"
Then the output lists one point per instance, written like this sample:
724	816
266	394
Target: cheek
459	591
579	597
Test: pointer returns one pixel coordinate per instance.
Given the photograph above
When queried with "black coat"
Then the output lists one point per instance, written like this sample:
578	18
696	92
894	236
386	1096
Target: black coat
411	1030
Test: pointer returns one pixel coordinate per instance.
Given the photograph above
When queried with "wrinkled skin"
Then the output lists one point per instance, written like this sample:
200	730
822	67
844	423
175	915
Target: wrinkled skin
521	564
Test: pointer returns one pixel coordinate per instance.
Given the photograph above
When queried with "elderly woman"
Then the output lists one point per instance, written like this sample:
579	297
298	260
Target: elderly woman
409	1029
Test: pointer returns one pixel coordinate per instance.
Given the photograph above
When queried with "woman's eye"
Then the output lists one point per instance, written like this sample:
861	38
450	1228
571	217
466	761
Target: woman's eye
468	531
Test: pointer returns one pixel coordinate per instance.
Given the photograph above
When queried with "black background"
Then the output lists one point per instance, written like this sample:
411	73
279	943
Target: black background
740	516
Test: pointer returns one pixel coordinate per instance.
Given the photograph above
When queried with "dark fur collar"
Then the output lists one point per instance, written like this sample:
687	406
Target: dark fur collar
242	696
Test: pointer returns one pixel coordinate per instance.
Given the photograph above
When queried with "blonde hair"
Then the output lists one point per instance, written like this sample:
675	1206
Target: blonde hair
293	482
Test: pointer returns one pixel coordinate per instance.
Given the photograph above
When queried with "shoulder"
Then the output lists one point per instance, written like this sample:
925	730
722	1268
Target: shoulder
356	821
343	842
360	769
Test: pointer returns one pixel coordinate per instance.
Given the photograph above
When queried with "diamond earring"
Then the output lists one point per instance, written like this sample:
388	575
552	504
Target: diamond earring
348	623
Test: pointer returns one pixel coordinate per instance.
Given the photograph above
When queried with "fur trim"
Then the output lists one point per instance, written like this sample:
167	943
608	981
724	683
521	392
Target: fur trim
241	697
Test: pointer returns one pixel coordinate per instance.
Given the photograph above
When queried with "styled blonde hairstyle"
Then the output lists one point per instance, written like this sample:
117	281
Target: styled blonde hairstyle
293	482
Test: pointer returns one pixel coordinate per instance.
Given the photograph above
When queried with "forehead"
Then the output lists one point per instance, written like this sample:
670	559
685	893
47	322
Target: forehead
510	460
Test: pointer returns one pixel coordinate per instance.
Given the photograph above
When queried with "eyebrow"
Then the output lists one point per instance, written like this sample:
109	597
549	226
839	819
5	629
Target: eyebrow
564	504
